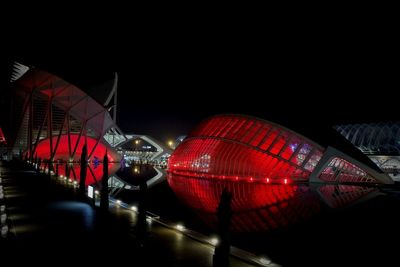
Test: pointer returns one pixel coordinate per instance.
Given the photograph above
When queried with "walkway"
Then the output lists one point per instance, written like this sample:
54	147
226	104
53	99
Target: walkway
47	222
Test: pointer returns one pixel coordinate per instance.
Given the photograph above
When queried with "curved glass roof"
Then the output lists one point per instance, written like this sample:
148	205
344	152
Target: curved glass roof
373	138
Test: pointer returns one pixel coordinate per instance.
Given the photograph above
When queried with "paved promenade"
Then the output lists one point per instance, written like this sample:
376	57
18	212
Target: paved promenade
47	224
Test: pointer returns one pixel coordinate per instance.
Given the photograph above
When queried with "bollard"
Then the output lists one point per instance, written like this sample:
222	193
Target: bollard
3	218
2	209
1	180
4	231
1	195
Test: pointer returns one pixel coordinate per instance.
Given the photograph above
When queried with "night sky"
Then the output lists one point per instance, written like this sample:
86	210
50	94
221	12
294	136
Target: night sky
172	78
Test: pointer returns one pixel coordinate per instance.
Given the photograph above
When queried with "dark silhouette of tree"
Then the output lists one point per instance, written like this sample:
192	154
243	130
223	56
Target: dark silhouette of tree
83	172
104	185
224	215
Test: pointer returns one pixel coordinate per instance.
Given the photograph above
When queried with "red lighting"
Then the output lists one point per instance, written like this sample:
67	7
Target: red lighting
62	154
255	206
230	146
2	138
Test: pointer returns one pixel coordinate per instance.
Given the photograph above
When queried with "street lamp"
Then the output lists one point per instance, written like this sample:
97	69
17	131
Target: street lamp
171	144
137	141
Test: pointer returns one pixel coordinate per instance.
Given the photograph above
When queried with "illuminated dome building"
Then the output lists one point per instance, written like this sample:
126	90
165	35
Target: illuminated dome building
238	147
53	120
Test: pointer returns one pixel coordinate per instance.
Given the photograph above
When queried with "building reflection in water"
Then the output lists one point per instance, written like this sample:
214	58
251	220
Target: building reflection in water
260	207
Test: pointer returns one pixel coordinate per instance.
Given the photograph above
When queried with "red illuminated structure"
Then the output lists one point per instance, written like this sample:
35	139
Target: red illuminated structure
53	119
238	147
2	138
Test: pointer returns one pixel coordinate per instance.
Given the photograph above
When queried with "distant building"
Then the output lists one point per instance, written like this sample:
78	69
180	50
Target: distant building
379	141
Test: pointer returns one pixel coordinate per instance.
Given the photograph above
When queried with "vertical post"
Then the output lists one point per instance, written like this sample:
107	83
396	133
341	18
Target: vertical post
224	214
104	185
50	126
82	181
115	98
30	126
58	139
69	136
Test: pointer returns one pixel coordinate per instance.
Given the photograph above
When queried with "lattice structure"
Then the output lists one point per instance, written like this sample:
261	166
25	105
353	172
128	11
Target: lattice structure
239	147
245	148
340	170
379	141
54	119
373	138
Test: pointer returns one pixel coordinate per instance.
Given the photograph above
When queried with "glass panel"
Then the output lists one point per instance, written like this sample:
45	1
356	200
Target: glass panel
302	154
279	143
290	148
270	138
257	139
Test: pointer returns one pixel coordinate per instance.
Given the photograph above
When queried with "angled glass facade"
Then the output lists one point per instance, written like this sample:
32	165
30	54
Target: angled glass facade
379	141
373	138
239	147
54	120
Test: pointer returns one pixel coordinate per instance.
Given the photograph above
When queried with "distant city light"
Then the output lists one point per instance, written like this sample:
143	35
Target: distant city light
134	208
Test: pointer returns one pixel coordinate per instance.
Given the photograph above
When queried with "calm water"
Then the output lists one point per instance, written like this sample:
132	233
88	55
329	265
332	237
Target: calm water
293	224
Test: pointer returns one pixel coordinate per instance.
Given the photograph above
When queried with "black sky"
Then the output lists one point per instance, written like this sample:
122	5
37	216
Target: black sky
173	76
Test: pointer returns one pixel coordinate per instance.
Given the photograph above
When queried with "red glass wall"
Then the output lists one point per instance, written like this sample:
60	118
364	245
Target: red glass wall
62	152
94	172
243	148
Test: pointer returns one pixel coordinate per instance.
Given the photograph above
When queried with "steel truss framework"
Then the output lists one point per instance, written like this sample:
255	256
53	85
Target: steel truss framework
54	119
379	141
373	138
245	148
